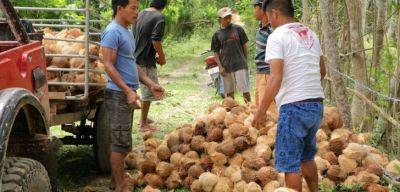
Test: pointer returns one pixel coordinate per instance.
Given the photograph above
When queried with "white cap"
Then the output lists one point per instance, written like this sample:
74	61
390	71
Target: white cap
224	12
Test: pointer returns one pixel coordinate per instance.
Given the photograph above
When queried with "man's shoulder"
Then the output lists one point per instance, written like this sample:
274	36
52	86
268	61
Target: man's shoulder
152	14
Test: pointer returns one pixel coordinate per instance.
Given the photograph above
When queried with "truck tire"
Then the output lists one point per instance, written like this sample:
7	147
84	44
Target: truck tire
102	145
24	175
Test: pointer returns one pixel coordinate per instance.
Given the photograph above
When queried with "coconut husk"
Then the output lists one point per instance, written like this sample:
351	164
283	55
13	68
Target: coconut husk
242	143
226	134
227	148
215	135
148	166
210	147
337	146
164	169
331	158
230	118
252	187
249	154
196	186
60	62
151	144
173	181
195	171
327	184
200	128
192	155
197	143
365	178
229	103
373	187
154	180
218	170
266	175
176	158
323	147
218	115
234	173
236	160
351	180
263	151
249	175
187	182
152	156
343	134
375	169
238	130
271	186
373	158
322	164
218	159
184	148
239	186
355	151
185	134
346	164
147	135
163	152
208	181
206	163
255	164
223	185
173	142
321	136
335	173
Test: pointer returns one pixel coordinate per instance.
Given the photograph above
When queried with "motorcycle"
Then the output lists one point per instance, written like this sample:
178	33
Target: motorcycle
213	70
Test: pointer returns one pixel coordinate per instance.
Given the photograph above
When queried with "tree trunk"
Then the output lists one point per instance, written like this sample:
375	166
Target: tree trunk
365	5
305	17
359	71
331	48
379	32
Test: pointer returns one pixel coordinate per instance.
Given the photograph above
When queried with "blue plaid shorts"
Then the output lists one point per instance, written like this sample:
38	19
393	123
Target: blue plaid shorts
296	141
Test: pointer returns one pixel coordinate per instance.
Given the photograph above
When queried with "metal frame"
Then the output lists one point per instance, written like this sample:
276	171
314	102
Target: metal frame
88	31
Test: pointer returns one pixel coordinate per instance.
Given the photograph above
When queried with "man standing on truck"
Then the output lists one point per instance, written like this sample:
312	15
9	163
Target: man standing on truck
149	32
229	44
118	45
297	69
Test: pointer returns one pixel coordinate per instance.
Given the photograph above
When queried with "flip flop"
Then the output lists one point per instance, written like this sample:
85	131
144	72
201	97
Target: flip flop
147	129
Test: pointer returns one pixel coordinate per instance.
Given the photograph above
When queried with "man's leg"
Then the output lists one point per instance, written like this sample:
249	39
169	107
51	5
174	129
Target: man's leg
229	85
144	114
242	81
147	98
293	181
117	168
310	173
247	97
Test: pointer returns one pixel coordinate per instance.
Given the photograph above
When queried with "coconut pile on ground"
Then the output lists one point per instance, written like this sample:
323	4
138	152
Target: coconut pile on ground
71	48
221	151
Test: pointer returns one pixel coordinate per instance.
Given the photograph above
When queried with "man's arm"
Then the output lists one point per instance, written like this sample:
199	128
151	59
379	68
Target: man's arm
221	68
322	68
272	89
246	50
161	59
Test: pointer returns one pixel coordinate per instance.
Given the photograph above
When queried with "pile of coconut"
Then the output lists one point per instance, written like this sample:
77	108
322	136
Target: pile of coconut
221	151
71	48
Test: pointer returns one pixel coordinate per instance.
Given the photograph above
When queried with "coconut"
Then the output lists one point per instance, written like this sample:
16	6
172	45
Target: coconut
355	151
152	156
130	161
176	158
74	33
321	136
226	134
77	63
163	152
249	175
249	154
195	171
154	180
255	164
148	166
164	169
263	131
197	143
239	186
252	187
218	170
206	163
151	144
283	189
266	175
331	158
337	146
322	164
185	134
351	180
234	173
147	135
229	103
173	142
237	130
223	185
219	159
335	173
333	116
212	107
346	164
375	169
150	189
373	187
218	115
364	177
215	135
187	182
271	186
263	151
192	155
237	110
373	158
241	143
200	128
236	160
60	62
211	147
343	134
184	148
230	118
208	181
196	186
173	181
323	147
227	148
394	168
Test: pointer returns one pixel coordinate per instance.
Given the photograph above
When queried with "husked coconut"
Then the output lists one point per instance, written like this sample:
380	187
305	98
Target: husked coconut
343	134
206	163
197	143
173	142
322	164
226	134
337	146
373	187
230	118
351	180
266	175
255	164
234	173
252	187
346	164
229	103
219	159
237	110
335	173
236	160
173	181
185	134
208	181
164	169
239	186
271	186
215	135
154	180
148	188
187	182
355	151
223	185
249	154
241	143
192	155
321	136
211	147
148	166
218	170
130	161
163	152
227	148
184	148
151	144
364	177
60	62
195	171
175	159
332	118
323	147
218	115
394	168
237	130
200	128
331	158
212	107
263	151
196	186
249	175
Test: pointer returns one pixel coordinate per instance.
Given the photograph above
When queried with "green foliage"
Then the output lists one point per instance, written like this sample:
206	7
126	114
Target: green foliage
348	188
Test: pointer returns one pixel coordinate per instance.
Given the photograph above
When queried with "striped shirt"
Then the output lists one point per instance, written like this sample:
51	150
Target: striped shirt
261	43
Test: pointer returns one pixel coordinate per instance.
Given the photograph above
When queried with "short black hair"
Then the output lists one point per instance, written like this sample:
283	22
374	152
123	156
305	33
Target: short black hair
116	3
158	4
285	6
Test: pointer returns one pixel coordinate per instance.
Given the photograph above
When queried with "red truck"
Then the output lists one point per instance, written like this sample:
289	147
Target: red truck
27	110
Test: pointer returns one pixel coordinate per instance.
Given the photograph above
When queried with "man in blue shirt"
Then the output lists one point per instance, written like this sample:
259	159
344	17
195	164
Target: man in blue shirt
118	45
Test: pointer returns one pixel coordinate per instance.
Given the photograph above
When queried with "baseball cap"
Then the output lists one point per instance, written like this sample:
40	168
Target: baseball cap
224	12
257	2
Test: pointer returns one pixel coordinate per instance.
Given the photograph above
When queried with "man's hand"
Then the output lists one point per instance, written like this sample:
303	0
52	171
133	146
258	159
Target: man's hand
161	60
157	91
222	71
259	119
132	98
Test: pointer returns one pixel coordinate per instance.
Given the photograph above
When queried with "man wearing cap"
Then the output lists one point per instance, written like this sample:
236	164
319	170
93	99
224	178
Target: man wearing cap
229	44
149	32
262	67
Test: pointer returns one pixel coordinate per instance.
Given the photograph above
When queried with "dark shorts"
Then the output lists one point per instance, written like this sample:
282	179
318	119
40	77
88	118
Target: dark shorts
119	120
296	141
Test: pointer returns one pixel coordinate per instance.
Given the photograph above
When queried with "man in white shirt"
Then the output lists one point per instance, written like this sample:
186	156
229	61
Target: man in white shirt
297	69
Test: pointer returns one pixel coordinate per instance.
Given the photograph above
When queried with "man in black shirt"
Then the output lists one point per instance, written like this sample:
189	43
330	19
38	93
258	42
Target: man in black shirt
149	32
229	44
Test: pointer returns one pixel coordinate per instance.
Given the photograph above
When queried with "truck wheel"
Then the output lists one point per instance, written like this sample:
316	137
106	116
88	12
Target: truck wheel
24	175
102	145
